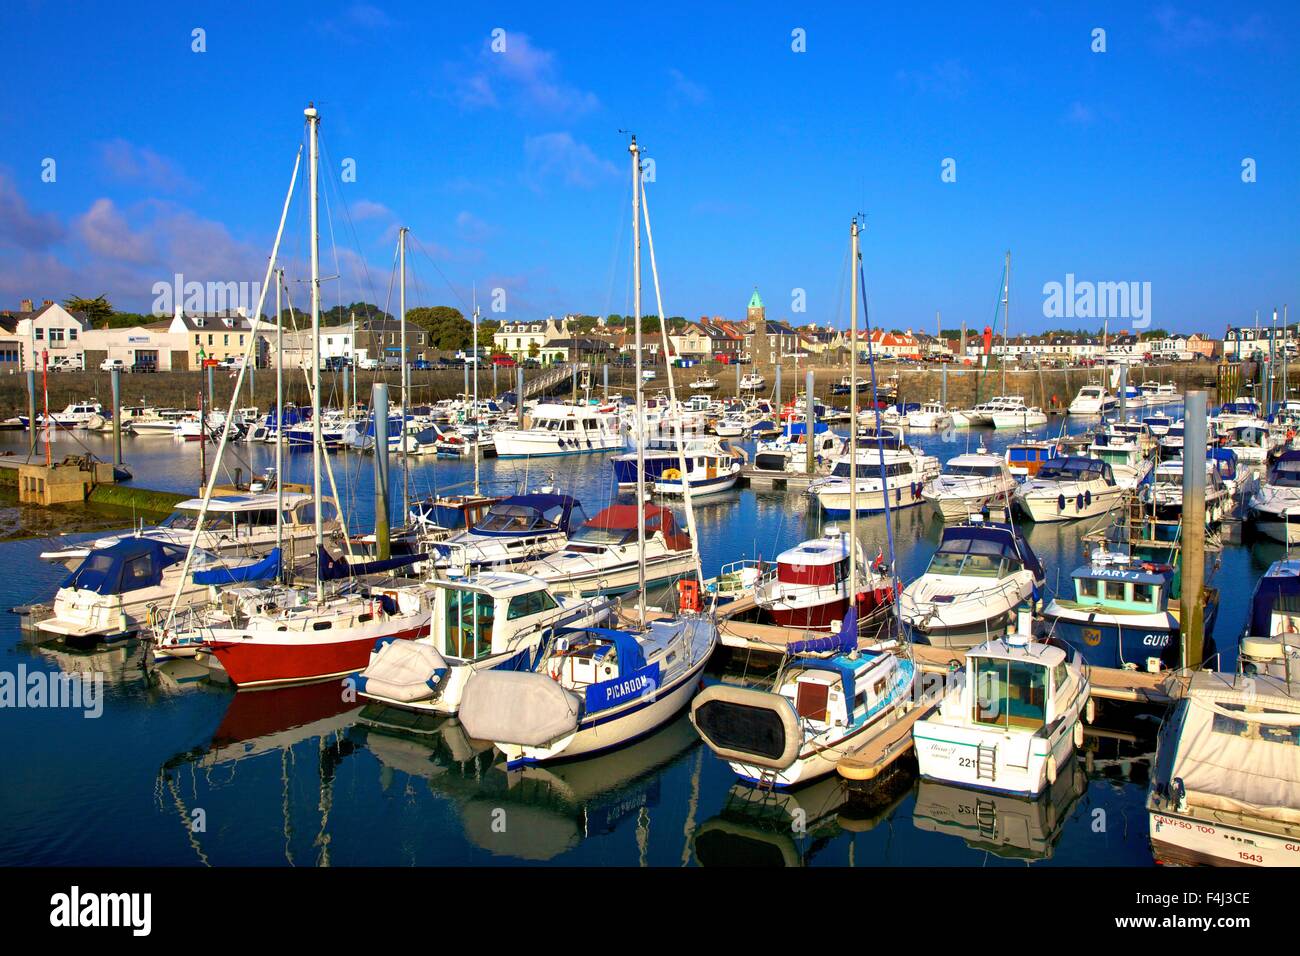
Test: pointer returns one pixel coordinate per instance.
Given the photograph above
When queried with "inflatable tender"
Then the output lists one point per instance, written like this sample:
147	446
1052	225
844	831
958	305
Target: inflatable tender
748	726
403	671
517	707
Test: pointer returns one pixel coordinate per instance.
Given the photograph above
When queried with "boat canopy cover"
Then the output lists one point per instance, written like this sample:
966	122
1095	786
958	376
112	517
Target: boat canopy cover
801	428
1286	470
845	642
630	656
991	538
521	514
1236	747
1076	468
268	567
129	565
623	518
1279	590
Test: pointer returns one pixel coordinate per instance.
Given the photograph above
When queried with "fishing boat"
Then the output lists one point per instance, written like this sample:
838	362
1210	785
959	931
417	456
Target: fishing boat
437	515
752	382
1093	400
828	699
1025	458
809	587
968	484
602	557
1274	508
1010	721
241	524
493	620
846	385
660	453
561	430
978	578
1158	424
884	466
1119	613
111	593
1068	488
789	453
1225	784
707	474
1125	452
705	384
931	415
516	531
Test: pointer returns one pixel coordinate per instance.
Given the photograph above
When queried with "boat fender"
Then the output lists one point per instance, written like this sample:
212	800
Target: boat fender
1060	502
1087	497
1051	769
1090	711
898	496
1078	502
1078	735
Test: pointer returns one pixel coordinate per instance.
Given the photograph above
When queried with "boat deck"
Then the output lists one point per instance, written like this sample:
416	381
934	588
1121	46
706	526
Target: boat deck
876	755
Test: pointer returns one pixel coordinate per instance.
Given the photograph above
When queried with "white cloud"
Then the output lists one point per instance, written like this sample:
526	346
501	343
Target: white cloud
558	156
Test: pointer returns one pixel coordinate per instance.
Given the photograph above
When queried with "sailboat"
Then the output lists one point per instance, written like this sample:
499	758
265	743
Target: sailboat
599	688
287	633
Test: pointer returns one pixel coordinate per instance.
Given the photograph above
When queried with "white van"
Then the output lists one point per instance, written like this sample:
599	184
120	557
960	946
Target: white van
109	364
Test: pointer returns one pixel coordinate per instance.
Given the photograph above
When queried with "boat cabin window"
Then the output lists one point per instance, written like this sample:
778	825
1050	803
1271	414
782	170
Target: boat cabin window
1060	674
604	537
469	625
1144	593
307	512
1010	694
1087	588
1286	473
974	471
189	520
523	605
1114	590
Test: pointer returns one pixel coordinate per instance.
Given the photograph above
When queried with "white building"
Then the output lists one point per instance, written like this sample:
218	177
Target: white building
45	334
139	347
522	340
1244	343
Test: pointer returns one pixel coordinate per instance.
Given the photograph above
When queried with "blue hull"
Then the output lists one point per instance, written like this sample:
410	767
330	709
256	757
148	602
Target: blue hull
844	512
625	468
1107	644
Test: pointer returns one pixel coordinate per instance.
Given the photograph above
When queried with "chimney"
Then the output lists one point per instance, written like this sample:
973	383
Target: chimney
25	305
45	302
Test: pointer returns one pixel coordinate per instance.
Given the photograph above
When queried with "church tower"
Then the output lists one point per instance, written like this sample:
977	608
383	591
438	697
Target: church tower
761	353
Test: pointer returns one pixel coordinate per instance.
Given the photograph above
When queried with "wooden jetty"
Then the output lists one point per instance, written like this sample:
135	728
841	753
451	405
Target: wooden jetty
751	477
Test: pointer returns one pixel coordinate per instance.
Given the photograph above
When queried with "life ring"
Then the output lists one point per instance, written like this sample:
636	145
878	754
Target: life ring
671	474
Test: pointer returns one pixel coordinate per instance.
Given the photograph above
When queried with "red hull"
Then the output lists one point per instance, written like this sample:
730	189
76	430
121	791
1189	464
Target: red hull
254	663
819	617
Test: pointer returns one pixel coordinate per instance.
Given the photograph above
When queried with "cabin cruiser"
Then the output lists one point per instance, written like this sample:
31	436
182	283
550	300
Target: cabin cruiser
905	472
733	424
1242	410
112	591
561	430
75	415
1093	400
1277	501
829	698
660	454
705	384
601	556
1119	614
438	515
243	524
1161	492
1158	393
969	484
845	386
497	619
752	382
593	690
1024	458
1023	418
1011	720
982	414
1125	454
976	580
1271	644
1251	442
520	529
707	473
809	587
789	453
931	415
1069	488
1158	424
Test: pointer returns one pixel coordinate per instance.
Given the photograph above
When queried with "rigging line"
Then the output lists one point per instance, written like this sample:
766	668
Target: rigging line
368	286
419	247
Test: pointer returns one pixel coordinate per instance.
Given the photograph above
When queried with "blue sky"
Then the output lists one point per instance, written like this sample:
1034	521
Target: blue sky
511	171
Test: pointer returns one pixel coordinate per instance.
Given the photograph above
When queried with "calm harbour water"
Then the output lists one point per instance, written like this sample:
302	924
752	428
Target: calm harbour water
298	777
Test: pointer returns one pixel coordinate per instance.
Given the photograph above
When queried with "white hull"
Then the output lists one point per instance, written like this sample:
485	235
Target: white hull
1026	419
529	444
1045	507
1191	841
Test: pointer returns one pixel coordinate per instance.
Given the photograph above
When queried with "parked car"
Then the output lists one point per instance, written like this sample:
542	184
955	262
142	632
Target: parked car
503	361
336	363
531	363
111	363
421	365
369	364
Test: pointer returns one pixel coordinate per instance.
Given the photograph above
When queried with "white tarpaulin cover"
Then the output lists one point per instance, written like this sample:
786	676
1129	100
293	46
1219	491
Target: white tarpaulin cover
517	707
401	671
1239	747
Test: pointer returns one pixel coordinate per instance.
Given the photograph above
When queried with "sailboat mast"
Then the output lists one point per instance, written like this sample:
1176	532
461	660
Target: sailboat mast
405	382
474	399
313	121
639	436
1006	321
853	419
279	415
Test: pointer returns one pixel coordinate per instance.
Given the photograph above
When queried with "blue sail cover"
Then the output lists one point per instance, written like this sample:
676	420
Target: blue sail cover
845	642
331	570
268	567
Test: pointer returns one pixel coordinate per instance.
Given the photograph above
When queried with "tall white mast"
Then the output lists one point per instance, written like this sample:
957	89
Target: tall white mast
1006	322
313	122
853	419
474	400
639	435
401	430
279	416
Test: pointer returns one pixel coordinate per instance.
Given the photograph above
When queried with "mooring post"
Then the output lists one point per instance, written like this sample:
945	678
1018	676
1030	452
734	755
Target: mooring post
379	406
116	375
31	412
811	418
1192	618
